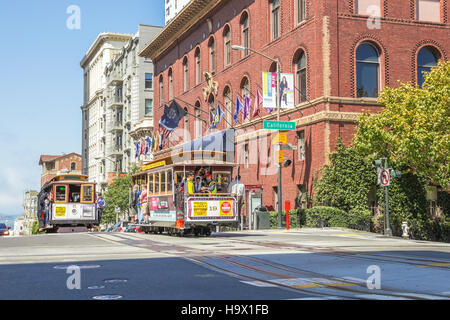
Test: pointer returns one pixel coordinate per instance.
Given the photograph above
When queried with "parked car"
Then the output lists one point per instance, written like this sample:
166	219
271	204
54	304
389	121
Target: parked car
120	226
4	230
134	228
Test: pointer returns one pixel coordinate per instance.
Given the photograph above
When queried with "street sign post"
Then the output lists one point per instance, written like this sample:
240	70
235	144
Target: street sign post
279	125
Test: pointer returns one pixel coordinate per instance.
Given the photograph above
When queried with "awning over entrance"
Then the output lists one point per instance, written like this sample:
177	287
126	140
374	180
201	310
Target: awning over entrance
222	141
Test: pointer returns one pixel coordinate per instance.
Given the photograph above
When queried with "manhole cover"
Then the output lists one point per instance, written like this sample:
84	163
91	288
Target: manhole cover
94	266
108	297
116	280
96	287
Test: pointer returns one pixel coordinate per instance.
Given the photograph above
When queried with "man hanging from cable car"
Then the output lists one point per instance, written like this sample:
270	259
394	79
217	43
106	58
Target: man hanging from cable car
211	186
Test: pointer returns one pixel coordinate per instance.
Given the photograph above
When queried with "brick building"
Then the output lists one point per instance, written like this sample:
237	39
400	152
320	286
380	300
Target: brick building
342	54
51	165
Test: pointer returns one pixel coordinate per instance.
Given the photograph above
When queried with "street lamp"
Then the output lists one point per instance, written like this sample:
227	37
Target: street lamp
277	62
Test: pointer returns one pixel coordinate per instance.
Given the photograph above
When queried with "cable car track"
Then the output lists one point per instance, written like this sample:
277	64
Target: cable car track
344	288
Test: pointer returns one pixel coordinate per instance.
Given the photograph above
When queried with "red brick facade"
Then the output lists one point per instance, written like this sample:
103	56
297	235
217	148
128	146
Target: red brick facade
329	37
52	164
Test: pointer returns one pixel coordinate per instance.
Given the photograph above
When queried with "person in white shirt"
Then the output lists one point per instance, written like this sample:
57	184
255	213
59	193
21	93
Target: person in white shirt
238	188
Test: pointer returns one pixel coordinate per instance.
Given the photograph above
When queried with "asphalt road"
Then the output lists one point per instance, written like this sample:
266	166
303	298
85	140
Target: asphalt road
303	264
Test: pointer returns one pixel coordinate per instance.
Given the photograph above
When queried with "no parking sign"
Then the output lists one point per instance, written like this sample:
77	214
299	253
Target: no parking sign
384	178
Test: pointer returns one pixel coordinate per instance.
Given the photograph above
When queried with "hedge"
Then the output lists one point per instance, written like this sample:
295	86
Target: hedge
294	219
320	216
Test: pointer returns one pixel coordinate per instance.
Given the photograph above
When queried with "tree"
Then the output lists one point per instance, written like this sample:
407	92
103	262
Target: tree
413	129
117	195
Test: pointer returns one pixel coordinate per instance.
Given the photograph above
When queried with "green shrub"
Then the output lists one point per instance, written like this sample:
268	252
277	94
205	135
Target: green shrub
294	219
35	228
359	219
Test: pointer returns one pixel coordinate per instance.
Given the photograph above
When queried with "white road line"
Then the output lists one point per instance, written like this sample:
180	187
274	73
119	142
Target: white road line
379	297
319	298
260	284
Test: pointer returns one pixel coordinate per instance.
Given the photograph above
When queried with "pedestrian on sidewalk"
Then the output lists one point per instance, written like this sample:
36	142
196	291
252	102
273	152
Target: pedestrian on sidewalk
101	203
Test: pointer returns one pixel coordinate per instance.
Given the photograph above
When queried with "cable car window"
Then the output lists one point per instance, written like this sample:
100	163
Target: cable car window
156	183
163	182
74	193
169	181
87	194
60	193
150	181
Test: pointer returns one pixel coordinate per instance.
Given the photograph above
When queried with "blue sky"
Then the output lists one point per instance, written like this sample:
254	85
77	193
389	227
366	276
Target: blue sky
41	81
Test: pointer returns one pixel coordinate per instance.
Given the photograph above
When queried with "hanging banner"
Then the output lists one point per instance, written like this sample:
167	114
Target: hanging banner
269	85
287	91
286	96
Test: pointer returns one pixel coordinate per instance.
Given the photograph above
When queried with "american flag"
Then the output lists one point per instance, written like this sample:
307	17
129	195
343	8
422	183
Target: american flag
164	133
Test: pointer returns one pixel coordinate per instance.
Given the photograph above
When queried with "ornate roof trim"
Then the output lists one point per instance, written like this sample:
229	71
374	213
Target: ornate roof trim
194	12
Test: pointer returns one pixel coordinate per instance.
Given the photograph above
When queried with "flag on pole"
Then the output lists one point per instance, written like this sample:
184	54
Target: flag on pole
239	107
149	145
258	103
172	116
217	117
137	150
247	105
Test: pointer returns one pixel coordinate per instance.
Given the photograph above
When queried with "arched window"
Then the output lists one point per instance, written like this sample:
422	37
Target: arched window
227	46
245	91
198	120
198	75
427	58
170	84
275	18
300	74
245	33
73	166
186	73
228	105
186	126
212	55
161	90
367	70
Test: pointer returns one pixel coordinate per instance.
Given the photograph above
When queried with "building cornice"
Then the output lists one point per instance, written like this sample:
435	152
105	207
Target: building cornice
187	18
101	39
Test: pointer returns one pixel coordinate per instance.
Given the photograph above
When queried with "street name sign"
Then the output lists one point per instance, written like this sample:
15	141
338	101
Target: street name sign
279	125
288	146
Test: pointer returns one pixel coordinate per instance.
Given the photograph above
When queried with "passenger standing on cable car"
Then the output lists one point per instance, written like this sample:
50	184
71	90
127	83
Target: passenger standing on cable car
144	205
211	186
139	210
48	207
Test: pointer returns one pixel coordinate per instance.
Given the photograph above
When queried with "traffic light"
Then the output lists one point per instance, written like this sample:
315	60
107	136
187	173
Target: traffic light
377	163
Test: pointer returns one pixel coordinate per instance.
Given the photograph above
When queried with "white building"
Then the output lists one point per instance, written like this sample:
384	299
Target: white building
129	105
99	55
118	99
24	225
173	7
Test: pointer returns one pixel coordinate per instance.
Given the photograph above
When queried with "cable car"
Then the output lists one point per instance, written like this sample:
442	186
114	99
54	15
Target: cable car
72	208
